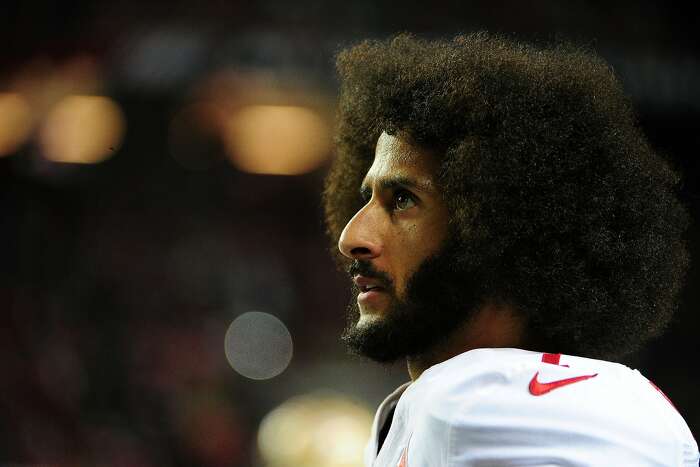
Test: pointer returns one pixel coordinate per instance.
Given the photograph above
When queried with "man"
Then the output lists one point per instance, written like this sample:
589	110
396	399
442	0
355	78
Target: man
507	227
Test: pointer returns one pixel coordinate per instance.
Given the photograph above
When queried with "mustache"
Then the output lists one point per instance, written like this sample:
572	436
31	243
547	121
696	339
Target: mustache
367	269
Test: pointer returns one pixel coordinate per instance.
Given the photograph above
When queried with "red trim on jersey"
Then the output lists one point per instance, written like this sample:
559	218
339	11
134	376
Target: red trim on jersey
552	358
403	461
663	394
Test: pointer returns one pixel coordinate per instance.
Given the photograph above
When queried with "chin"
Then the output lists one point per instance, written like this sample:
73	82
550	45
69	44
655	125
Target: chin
370	310
367	318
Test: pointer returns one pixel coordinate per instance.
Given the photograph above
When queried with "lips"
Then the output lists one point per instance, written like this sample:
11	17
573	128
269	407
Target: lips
366	284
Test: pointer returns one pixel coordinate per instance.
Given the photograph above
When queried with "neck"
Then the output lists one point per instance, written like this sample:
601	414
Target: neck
491	326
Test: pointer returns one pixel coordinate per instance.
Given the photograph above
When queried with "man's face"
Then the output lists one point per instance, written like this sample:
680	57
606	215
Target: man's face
403	221
406	286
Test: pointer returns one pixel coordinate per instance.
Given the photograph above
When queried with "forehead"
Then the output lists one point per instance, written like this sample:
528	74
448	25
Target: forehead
395	156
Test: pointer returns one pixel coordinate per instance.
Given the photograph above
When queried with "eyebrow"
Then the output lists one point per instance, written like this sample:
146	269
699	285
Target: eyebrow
392	183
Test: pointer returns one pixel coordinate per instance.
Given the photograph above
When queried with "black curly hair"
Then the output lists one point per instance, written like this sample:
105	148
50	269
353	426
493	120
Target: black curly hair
554	192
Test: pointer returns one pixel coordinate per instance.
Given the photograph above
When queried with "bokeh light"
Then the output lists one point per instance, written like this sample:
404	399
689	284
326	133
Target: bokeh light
258	345
15	122
82	130
276	139
315	430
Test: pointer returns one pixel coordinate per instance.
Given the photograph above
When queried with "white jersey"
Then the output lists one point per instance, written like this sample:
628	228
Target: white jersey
511	407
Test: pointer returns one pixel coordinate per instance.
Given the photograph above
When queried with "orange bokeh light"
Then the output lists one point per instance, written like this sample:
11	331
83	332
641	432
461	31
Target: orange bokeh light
16	121
82	130
276	139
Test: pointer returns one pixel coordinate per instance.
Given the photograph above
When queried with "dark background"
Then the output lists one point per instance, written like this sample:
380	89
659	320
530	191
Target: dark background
119	279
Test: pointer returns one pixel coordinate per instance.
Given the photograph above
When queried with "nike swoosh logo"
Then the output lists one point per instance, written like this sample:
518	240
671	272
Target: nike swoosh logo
539	389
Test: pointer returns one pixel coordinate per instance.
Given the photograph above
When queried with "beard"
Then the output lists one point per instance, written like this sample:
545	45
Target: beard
440	296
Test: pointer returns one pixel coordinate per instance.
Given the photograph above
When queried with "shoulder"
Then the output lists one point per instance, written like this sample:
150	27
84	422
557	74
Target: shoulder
491	398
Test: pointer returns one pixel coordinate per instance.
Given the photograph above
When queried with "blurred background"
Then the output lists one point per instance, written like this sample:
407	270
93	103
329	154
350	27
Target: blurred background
166	293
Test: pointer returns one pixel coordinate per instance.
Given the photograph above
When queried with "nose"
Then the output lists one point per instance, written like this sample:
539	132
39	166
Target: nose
360	238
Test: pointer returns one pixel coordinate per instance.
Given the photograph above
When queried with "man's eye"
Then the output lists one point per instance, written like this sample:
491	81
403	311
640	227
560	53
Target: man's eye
403	200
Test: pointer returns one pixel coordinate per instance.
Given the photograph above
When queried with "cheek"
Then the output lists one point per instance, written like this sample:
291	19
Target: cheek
412	249
412	244
409	244
421	241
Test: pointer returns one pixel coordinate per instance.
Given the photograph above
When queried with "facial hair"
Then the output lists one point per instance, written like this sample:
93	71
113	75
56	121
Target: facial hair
440	296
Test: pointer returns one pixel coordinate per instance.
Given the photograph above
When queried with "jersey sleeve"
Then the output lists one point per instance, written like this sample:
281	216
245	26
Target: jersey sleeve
599	421
512	440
